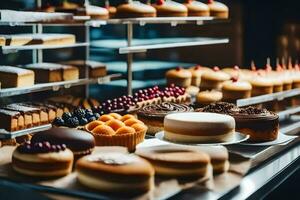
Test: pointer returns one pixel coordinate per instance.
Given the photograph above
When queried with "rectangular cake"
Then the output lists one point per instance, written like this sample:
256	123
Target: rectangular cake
51	110
15	77
11	120
17	39
31	115
37	39
44	117
70	73
96	69
46	72
53	39
2	41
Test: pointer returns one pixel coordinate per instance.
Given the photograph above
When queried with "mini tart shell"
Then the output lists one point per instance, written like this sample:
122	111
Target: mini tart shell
128	140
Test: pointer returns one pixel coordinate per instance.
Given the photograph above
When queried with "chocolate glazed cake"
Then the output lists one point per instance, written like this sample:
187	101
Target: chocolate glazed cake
262	125
153	115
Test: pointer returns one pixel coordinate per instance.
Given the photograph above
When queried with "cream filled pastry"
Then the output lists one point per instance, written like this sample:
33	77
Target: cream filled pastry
192	127
196	8
234	89
170	8
135	9
178	162
213	80
42	159
116	172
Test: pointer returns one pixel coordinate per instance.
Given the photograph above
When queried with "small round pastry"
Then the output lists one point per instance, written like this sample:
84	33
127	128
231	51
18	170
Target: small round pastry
193	127
130	122
234	89
213	80
115	115
196	8
95	12
104	130
79	142
277	84
170	8
42	159
105	118
206	97
232	72
261	85
135	9
197	72
116	172
153	115
126	117
177	162
179	77
93	124
218	9
115	124
287	83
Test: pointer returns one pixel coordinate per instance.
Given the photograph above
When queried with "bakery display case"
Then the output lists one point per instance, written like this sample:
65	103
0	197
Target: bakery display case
199	133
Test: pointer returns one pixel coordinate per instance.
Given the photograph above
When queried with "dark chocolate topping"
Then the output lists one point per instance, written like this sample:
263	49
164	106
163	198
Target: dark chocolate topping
161	110
248	113
40	147
22	109
9	112
76	140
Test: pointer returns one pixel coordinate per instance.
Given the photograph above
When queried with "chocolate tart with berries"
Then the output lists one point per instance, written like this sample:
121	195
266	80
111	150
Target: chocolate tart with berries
260	124
79	142
153	115
42	159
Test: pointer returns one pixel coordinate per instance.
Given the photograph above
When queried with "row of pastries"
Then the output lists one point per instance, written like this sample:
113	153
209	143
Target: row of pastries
133	9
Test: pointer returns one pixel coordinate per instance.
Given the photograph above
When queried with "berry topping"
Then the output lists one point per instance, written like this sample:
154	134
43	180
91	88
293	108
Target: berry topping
197	67
58	121
79	112
236	67
234	79
210	1
216	68
72	122
160	2
40	147
83	121
178	69
66	116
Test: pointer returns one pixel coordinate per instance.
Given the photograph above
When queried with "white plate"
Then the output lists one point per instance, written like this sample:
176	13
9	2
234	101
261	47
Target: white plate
281	139
236	138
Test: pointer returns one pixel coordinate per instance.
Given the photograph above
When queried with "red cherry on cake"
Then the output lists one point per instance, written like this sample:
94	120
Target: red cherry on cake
216	69
197	67
236	67
178	69
160	2
210	1
234	79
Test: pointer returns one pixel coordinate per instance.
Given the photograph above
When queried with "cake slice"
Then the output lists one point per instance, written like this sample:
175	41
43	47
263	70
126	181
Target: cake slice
70	73
2	41
31	115
16	77
44	116
16	39
47	72
96	69
11	120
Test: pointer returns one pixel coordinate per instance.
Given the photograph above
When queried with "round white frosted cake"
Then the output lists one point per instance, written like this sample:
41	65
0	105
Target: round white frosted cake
193	127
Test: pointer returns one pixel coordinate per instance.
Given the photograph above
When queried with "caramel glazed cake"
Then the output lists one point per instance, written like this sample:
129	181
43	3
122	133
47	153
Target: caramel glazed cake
193	127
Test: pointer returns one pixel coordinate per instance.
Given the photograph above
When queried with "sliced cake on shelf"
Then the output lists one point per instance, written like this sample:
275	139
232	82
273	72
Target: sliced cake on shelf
11	77
96	69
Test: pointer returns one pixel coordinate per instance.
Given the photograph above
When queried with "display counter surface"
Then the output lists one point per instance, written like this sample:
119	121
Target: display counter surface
270	166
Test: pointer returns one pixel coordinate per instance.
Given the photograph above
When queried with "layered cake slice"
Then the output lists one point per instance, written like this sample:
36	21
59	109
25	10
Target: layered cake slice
31	115
47	72
15	77
44	117
16	39
70	73
11	120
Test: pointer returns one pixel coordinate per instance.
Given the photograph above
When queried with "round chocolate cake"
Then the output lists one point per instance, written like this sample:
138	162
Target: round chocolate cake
262	125
153	115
